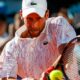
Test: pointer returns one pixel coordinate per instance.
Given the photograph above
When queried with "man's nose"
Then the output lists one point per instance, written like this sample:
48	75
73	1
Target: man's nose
32	23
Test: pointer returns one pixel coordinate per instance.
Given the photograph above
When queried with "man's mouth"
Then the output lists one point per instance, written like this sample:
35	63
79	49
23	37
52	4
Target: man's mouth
33	31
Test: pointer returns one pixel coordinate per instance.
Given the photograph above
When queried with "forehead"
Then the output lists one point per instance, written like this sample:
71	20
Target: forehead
33	15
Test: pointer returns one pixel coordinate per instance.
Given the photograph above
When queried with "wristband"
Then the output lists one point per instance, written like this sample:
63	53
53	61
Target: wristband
49	69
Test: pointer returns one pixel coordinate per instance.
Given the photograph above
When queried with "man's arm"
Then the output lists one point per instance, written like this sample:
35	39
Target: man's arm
9	62
7	79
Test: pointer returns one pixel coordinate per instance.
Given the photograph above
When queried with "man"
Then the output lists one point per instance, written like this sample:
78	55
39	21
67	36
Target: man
37	43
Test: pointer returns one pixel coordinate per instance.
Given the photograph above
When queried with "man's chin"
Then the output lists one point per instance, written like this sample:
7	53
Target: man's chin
34	34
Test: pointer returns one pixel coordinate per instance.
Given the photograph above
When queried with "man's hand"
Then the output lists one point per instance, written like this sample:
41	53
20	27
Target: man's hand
44	76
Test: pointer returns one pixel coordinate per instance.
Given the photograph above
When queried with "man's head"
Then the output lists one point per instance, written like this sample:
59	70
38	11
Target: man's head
34	14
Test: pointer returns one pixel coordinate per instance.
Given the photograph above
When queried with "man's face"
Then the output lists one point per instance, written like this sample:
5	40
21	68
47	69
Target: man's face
35	24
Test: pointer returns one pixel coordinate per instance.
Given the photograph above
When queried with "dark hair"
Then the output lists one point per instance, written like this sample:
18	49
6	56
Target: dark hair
2	17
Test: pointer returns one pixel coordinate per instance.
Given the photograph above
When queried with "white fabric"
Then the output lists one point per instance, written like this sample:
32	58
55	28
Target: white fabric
34	6
29	57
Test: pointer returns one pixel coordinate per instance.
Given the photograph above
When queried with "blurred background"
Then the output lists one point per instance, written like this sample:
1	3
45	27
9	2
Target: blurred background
70	9
10	19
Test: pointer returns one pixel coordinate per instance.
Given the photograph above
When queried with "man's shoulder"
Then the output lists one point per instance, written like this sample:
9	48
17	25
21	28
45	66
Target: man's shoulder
55	19
10	43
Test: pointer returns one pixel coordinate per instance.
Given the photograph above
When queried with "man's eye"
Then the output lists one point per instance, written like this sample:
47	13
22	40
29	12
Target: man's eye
38	18
30	19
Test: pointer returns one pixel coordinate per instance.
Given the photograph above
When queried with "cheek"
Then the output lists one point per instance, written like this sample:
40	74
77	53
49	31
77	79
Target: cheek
26	23
39	24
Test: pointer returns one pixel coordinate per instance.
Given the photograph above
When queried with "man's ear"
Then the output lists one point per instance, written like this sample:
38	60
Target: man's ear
47	14
20	13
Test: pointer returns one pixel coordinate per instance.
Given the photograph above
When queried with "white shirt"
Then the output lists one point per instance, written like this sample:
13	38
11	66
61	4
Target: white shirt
29	57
